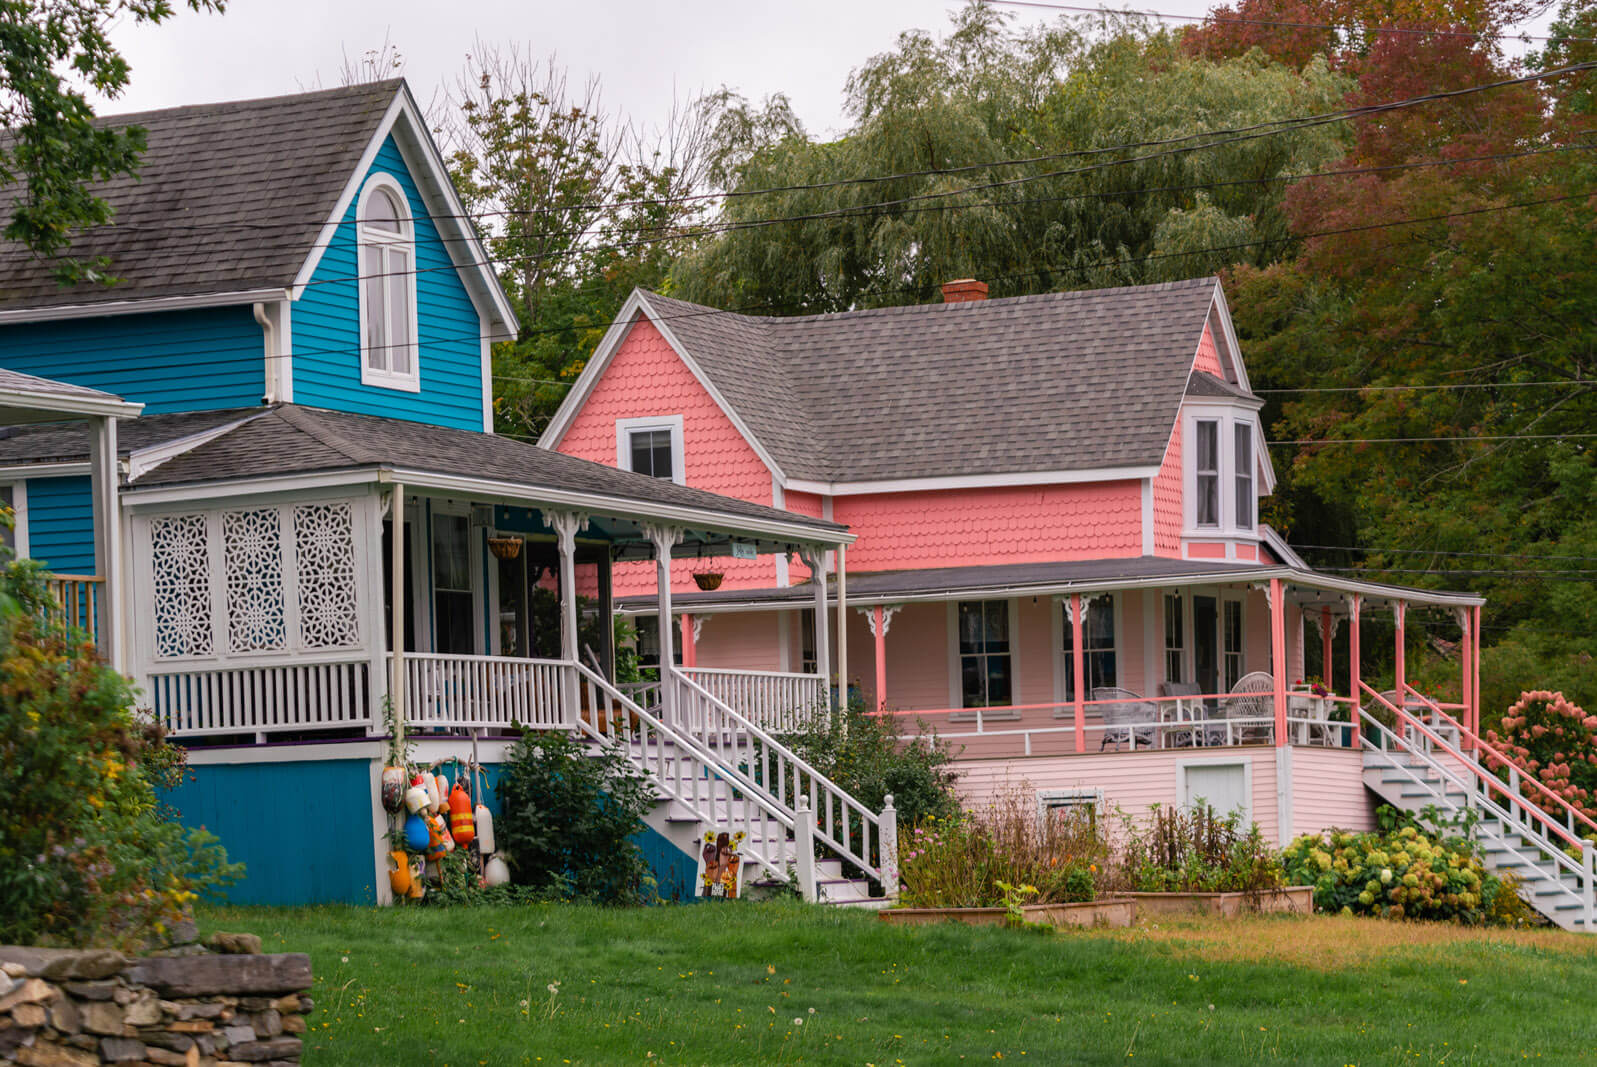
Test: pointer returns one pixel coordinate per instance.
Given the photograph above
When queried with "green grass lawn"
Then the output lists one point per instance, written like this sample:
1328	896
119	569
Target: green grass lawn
786	983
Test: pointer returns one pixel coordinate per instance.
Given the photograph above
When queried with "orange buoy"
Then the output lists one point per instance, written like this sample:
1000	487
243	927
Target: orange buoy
461	823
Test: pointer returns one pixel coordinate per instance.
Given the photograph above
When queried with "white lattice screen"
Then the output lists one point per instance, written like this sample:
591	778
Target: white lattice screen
256	581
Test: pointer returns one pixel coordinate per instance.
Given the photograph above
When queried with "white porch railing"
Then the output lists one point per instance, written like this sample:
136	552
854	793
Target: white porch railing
484	692
776	701
262	699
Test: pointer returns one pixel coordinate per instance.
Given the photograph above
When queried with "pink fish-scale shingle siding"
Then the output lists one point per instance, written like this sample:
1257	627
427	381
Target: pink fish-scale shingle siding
1011	524
1208	357
1167	487
647	378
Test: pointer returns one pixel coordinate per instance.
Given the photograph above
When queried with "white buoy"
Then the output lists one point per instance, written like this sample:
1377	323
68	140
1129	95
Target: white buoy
485	830
495	872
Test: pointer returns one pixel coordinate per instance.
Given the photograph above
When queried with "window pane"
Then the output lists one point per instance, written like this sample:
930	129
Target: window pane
974	692
451	556
1208	446
651	452
381	212
996	616
1099	628
375	326
998	680
397	284
970	626
1208	500
1244	451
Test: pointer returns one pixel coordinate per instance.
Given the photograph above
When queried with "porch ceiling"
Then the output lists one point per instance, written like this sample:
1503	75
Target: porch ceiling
1304	587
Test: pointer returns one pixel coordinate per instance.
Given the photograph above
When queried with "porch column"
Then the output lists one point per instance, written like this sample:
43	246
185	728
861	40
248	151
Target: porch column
665	538
396	594
1475	670
1353	604
566	525
1326	636
879	632
1078	672
607	613
107	539
690	642
1466	618
1278	656
815	559
842	629
1400	618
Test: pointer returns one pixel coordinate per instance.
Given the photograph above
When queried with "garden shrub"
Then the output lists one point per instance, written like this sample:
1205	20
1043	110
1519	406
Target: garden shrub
1552	740
567	816
1395	872
1195	851
978	859
88	855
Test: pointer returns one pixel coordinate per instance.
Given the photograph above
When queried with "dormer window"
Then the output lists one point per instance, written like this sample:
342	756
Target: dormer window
651	446
1208	470
387	286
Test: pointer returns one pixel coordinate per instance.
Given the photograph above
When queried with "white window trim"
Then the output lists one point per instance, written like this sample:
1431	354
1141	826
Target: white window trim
19	503
956	694
1183	790
1226	417
387	379
1059	625
625	428
1054	799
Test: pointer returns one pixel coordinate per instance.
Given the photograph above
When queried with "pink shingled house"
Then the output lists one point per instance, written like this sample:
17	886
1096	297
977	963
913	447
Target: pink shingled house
1059	563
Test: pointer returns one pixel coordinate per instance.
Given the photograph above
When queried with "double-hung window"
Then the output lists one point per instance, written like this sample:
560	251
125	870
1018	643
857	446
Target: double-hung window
1231	638
387	243
1097	646
986	667
651	446
1175	638
1243	437
1208	468
452	594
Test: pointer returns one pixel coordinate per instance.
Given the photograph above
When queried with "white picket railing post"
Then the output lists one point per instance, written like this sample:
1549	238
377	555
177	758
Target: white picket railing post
1589	889
804	850
888	847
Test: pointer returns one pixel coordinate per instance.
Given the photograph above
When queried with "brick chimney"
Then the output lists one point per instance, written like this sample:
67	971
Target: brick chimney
964	290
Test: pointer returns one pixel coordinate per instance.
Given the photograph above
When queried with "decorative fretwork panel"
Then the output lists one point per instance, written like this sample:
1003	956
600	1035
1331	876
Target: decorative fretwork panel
252	549
324	547
180	558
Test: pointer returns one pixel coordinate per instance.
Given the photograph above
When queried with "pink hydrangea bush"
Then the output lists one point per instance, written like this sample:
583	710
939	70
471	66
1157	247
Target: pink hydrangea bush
1552	740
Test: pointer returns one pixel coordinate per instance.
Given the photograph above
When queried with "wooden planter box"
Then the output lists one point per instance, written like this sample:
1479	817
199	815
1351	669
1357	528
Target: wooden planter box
1290	900
1114	912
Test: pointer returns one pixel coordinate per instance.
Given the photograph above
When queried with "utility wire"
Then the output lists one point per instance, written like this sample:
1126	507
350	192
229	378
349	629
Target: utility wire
1567	383
1441	552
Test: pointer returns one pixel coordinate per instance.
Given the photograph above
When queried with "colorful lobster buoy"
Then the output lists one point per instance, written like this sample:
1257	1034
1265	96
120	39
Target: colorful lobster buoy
461	825
435	838
393	788
485	830
415	800
416	836
399	873
442	785
430	784
495	872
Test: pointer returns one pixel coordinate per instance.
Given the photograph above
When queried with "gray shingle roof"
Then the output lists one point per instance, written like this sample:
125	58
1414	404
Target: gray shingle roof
1054	382
68	442
291	439
16	382
1203	383
229	197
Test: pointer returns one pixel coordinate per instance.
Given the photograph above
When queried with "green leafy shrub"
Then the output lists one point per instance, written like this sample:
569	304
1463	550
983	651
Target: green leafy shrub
1395	872
1195	851
1552	740
567	815
88	856
978	859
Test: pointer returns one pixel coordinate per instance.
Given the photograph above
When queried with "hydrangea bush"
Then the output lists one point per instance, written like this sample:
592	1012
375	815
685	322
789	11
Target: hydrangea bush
1552	740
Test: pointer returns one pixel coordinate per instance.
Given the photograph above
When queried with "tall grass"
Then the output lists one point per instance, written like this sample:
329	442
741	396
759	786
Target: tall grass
1195	850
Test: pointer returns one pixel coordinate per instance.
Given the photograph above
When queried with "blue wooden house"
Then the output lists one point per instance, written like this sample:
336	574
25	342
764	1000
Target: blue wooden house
294	365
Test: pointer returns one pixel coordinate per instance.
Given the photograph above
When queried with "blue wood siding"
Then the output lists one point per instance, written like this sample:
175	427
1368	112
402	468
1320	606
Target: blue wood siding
60	518
327	327
302	829
169	360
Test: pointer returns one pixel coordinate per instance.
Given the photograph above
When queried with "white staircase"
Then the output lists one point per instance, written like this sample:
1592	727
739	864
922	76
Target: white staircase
714	771
1428	762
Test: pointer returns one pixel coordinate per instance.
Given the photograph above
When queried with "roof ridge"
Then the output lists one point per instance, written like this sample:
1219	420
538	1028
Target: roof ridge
388	86
305	421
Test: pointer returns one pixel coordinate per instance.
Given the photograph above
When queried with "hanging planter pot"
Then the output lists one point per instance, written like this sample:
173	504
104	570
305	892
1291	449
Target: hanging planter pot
708	580
505	547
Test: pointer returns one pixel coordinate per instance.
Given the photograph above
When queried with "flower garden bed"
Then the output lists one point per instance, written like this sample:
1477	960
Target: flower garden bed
1115	912
1287	900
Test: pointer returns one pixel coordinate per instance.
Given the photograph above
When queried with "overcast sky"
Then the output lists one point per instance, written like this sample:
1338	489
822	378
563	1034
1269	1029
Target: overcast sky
640	49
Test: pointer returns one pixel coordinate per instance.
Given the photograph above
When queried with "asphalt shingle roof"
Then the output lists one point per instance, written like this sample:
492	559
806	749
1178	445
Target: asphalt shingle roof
229	197
17	382
291	439
68	442
1053	382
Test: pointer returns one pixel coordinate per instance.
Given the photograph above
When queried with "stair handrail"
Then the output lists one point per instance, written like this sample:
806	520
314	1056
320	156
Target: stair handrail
821	788
1541	844
1570	811
1484	776
686	742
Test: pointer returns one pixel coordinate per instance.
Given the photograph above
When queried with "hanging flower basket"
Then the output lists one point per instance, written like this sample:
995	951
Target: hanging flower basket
505	547
708	580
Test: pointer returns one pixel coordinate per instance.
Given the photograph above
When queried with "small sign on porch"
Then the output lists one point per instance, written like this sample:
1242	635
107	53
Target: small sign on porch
721	865
740	550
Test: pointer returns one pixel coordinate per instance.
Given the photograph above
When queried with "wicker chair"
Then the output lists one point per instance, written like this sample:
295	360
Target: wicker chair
1253	697
1124	717
1194	734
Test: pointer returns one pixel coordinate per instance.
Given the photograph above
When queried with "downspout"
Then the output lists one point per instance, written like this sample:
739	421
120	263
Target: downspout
269	334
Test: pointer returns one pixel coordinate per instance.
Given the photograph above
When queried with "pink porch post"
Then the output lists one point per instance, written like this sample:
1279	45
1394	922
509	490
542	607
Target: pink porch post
1475	667
1353	665
1466	618
1278	656
690	646
1400	617
1078	668
879	630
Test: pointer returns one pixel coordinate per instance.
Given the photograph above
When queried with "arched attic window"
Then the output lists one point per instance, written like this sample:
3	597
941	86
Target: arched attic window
387	241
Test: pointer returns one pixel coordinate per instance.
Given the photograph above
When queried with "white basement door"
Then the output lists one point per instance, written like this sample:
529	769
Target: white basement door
1223	786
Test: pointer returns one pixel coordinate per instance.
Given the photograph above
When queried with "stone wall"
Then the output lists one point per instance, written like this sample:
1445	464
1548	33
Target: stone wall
81	1007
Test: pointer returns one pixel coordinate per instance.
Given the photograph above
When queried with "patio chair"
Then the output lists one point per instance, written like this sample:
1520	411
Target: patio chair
1253	697
1194	734
1123	718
